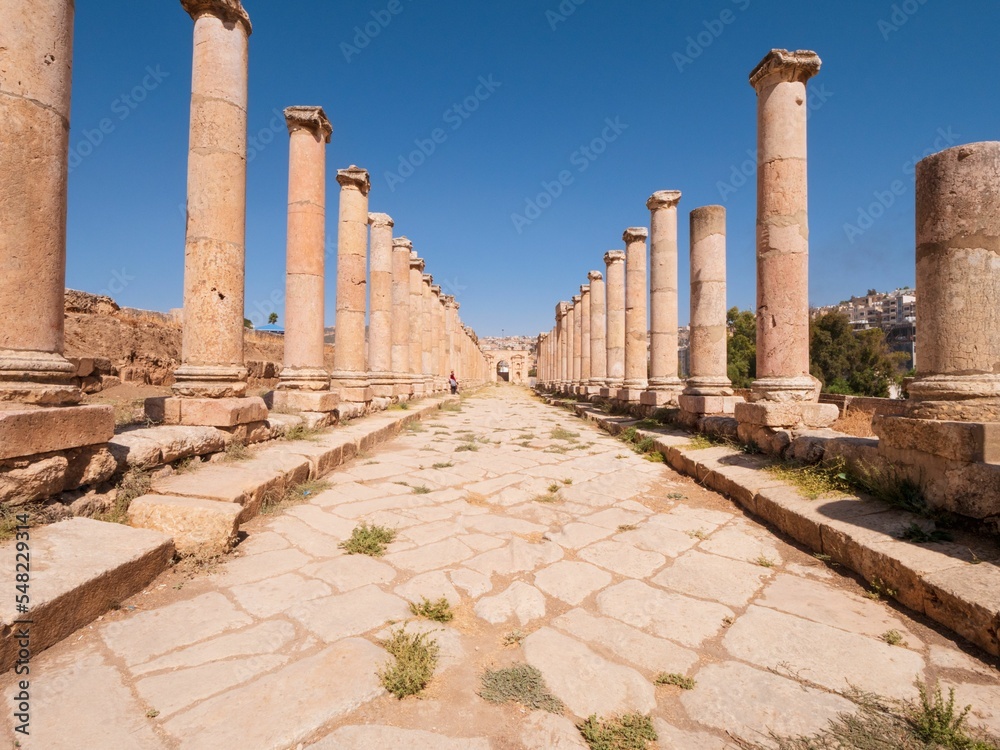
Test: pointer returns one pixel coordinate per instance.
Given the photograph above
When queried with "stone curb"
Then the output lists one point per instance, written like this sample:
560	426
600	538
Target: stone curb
941	580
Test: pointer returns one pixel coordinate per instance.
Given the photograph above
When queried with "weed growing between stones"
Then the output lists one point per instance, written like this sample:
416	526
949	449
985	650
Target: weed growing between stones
814	480
134	483
236	450
514	637
520	683
438	611
919	535
643	445
763	561
293	495
443	465
931	723
451	406
550	497
421	490
401	406
893	638
368	539
697	534
554	487
879	590
626	732
627	527
416	657
673	678
469	446
302	432
558	433
414	427
698	442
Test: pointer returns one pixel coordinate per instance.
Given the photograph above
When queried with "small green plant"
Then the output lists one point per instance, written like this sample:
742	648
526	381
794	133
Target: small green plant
558	433
889	486
550	497
814	480
416	656
469	446
443	465
764	561
673	678
302	432
879	590
414	427
186	465
627	527
919	535
697	534
554	487
421	490
893	638
626	732
698	442
152	713
134	483
936	721
526	436
236	450
567	481
368	539
293	495
451	406
514	637
439	611
676	496
520	683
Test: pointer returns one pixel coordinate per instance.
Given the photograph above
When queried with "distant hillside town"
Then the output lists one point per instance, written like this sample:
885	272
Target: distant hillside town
894	312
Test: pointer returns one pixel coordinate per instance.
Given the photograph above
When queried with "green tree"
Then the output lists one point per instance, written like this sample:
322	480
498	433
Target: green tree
272	318
741	347
247	323
851	362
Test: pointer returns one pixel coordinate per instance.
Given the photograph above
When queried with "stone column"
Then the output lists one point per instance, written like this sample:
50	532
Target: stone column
948	440
664	385
416	310
212	347
614	261
584	340
36	65
427	339
400	326
576	320
785	393
350	373
562	311
437	327
709	390
598	335
380	307
305	383
636	330
456	340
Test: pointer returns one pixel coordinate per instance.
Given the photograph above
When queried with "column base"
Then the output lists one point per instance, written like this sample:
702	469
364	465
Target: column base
383	385
629	395
787	414
354	387
709	405
708	386
30	430
210	381
298	401
781	390
38	378
609	392
303	379
402	387
206	412
417	388
659	398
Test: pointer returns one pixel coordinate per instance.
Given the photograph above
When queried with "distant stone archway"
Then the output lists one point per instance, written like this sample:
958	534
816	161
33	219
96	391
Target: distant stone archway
518	364
503	371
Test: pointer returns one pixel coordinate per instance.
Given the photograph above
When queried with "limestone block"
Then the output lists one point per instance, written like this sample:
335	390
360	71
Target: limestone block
298	401
787	414
211	412
91	464
90	566
198	526
959	441
27	432
709	404
658	398
25	480
135	448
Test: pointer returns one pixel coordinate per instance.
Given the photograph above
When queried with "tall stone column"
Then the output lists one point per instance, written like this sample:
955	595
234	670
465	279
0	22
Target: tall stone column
427	339
437	327
562	312
598	334
785	393
214	254
305	383
576	320
456	340
380	307
400	327
948	440
709	390
36	67
417	330
614	261
350	373
664	385
636	330
584	340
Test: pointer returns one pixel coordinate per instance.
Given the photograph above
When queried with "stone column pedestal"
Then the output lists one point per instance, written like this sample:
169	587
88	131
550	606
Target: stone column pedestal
400	326
784	394
211	380
709	390
598	335
614	261
948	441
305	383
380	308
417	330
350	375
636	331
664	385
38	414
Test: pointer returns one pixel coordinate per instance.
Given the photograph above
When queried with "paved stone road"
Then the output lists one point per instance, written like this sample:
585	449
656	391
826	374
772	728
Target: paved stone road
632	570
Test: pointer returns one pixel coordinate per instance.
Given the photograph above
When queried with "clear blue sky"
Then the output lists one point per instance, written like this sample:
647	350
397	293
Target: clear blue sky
898	80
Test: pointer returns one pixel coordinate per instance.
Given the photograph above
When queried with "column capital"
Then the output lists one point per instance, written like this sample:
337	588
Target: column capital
800	66
576	300
381	220
584	289
354	178
614	256
231	11
416	262
663	199
436	290
595	276
428	279
402	242
562	308
313	119
635	234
